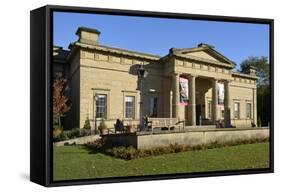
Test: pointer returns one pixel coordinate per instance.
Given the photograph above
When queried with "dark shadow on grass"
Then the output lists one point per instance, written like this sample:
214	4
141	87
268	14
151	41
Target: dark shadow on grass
101	151
91	150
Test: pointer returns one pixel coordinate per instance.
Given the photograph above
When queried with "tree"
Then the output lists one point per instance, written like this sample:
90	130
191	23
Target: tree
87	124
60	102
263	104
263	90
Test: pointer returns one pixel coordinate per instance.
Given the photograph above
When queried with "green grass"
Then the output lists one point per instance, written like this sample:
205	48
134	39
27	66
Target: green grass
77	162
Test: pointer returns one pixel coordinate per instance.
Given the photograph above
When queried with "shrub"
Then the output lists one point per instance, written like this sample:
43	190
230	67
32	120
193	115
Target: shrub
97	144
57	131
85	132
63	136
87	124
130	152
102	125
70	134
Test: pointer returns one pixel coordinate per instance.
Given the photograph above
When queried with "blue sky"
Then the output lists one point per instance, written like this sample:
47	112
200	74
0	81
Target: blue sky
237	41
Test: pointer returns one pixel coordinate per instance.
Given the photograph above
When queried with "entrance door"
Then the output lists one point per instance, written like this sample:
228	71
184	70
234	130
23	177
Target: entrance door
198	113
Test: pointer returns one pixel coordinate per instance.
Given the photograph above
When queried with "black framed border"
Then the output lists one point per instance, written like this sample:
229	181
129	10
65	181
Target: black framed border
41	42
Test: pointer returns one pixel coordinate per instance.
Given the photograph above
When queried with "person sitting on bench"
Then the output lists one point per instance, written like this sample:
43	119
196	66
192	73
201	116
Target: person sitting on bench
119	126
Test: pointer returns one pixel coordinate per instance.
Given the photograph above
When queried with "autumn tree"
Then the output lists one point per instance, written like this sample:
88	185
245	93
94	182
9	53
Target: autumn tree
60	102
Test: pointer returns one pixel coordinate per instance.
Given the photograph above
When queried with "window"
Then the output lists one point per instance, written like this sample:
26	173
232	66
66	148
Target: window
153	107
237	110
101	105
210	109
129	107
248	110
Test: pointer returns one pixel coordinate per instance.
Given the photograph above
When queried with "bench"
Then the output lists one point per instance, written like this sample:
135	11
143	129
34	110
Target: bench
119	128
165	123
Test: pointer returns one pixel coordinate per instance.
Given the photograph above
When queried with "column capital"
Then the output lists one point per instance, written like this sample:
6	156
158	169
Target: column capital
227	80
192	76
214	79
175	74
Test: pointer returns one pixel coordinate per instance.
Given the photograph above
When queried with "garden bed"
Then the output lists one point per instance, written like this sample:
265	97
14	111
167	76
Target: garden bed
130	152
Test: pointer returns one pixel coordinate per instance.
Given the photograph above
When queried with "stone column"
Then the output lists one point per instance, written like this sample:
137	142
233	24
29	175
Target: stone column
171	103
255	106
227	114
215	100
192	99
176	97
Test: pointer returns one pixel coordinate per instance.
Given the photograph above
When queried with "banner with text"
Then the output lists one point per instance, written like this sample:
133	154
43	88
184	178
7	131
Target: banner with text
220	93
184	99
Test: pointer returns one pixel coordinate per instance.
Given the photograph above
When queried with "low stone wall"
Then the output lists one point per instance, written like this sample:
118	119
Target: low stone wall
188	137
78	140
124	139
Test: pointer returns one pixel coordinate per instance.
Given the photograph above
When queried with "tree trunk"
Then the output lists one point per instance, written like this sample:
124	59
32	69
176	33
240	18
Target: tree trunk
59	122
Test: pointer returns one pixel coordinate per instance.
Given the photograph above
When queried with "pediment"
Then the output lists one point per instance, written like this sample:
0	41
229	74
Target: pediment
204	53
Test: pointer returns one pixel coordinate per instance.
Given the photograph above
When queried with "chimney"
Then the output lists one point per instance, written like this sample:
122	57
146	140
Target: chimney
205	45
250	70
88	35
253	71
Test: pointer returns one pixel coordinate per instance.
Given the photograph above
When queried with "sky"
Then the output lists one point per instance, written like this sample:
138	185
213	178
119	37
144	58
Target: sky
236	41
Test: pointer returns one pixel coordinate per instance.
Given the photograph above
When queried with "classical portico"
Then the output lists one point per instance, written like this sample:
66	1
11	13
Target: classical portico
188	113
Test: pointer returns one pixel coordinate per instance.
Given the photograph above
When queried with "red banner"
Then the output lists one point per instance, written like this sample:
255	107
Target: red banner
220	93
184	99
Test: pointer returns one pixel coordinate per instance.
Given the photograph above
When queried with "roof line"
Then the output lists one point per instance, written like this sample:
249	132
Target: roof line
244	75
202	48
117	50
203	60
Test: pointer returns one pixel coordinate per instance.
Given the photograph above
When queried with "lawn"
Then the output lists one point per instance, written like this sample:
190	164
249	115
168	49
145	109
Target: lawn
77	162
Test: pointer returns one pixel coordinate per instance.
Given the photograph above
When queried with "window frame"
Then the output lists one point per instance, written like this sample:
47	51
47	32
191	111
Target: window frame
238	107
249	117
151	108
105	106
133	107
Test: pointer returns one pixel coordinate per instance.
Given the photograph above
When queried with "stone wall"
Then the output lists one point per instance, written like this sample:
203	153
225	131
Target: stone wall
115	76
77	141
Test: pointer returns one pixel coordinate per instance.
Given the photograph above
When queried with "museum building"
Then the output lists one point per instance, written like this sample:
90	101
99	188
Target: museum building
197	85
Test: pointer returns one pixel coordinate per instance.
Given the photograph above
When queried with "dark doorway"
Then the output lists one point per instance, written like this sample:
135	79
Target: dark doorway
198	114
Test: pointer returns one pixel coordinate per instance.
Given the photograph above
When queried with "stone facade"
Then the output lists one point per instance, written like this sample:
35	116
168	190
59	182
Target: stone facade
94	69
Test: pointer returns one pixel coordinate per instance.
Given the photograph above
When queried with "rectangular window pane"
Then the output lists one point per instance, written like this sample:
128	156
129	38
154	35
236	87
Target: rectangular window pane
237	110
129	107
153	107
101	106
248	110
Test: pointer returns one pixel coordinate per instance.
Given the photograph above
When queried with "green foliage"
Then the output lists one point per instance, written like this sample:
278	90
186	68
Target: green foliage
130	152
71	134
263	104
57	131
87	124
